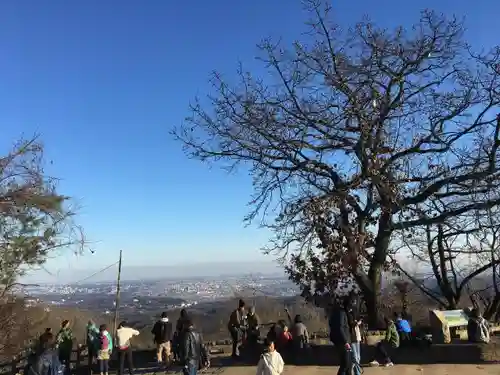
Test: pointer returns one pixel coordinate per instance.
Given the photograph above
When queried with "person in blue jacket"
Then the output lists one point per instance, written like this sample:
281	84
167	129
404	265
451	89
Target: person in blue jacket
47	362
404	328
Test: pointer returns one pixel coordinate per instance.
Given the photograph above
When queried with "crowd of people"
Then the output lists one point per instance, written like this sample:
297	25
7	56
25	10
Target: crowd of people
183	343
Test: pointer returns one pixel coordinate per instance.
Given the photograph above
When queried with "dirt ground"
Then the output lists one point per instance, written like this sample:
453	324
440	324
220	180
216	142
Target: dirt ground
396	370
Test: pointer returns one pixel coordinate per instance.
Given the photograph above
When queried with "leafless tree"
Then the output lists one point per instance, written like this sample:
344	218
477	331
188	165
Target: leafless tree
487	242
35	223
354	137
455	258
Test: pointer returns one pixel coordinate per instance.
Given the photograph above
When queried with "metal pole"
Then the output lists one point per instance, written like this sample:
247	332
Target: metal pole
117	298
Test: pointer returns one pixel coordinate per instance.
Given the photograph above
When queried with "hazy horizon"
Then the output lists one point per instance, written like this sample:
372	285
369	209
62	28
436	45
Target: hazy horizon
191	270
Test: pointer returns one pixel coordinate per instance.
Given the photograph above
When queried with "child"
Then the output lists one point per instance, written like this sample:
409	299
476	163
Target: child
270	362
104	351
285	338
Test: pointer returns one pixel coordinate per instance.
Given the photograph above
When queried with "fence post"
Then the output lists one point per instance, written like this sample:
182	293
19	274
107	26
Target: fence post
14	365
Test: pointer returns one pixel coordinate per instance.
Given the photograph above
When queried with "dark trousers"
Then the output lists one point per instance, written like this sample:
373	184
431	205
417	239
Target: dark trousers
104	366
345	360
65	359
90	359
190	369
125	355
382	351
235	338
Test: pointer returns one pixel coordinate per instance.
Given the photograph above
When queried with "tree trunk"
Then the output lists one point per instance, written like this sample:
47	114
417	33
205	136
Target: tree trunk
372	301
491	311
373	293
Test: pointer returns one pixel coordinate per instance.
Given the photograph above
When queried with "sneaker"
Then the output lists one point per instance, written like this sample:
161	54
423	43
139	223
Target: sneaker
374	363
389	364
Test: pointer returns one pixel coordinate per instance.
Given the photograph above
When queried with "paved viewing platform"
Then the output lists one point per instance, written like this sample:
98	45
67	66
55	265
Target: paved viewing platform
437	369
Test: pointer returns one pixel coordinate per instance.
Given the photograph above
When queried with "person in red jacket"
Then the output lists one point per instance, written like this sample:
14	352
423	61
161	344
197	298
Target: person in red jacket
285	339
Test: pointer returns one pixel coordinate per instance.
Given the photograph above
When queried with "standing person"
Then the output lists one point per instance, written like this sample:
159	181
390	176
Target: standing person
193	353
179	328
355	327
235	327
162	332
92	343
270	362
123	336
47	361
391	341
42	339
340	336
104	351
65	340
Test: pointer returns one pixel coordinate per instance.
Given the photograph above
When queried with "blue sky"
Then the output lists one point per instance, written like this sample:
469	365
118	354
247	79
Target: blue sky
103	82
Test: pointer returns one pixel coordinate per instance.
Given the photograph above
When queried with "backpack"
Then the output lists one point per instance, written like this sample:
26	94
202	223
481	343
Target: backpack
165	331
104	342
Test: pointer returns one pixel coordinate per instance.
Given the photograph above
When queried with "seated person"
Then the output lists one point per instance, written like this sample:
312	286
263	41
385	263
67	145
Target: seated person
284	339
477	328
253	330
391	341
404	328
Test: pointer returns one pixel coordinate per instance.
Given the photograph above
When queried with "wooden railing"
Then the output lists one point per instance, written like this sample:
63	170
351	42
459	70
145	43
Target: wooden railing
19	362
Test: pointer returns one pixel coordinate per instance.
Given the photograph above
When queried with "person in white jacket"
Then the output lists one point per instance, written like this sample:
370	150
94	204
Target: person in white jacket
270	362
123	336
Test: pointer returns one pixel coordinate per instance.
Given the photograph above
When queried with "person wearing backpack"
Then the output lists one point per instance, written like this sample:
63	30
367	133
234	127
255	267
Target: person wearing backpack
104	352
65	340
193	353
162	335
92	343
47	361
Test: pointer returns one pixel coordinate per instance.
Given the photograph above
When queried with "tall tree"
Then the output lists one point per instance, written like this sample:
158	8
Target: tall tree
35	220
353	137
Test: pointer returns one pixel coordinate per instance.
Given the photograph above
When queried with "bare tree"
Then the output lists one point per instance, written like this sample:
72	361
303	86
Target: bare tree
487	242
35	223
354	137
455	257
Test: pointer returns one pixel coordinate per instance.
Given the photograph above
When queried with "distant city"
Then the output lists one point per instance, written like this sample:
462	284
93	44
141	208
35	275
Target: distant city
154	295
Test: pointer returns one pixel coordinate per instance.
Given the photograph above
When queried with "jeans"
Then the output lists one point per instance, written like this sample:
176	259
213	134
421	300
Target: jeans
356	358
103	366
125	354
190	369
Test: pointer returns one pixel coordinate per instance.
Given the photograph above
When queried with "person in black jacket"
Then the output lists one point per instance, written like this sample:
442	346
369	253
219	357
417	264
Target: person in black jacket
162	332
192	351
340	336
179	329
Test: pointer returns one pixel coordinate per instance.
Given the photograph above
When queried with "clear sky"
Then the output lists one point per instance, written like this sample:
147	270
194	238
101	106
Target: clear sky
103	81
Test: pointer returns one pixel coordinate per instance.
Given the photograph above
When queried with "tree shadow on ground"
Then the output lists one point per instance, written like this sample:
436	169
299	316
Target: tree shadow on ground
325	355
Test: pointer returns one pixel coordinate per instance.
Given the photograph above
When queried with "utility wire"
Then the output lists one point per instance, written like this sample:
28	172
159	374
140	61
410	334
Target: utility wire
95	274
